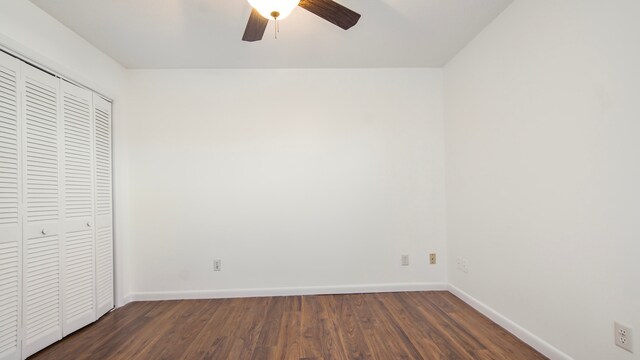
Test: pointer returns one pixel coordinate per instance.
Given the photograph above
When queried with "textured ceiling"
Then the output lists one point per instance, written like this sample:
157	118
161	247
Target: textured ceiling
206	33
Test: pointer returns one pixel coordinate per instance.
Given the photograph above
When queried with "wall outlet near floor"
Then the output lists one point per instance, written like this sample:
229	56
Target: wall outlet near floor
623	337
217	265
404	260
432	258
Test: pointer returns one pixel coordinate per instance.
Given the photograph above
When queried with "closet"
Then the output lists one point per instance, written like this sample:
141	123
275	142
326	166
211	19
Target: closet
56	236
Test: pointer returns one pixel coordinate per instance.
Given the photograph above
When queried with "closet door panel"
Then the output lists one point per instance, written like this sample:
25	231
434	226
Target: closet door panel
10	207
41	242
104	213
78	208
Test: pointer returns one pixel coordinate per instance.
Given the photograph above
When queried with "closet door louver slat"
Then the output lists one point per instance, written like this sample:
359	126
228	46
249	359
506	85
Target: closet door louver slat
103	196
41	311
78	208
10	208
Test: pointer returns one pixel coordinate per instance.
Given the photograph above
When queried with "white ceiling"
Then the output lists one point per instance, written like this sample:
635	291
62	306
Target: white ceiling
207	33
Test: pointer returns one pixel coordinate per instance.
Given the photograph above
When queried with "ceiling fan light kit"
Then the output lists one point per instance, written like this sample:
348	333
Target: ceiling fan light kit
274	9
265	10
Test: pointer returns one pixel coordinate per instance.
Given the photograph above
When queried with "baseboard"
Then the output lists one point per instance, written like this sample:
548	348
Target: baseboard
289	291
523	334
127	299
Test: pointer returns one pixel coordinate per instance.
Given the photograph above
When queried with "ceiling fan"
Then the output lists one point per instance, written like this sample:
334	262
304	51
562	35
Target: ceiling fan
265	10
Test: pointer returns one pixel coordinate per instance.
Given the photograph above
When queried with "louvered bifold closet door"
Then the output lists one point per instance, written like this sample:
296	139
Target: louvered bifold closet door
10	209
78	286
42	201
104	213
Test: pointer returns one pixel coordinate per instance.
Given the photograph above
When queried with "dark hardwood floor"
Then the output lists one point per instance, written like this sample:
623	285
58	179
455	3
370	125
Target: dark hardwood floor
427	325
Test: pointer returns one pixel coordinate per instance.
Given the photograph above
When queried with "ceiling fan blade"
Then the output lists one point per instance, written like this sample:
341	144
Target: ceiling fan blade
255	27
332	12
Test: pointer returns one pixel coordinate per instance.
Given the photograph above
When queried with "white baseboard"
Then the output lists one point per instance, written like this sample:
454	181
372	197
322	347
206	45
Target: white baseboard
127	299
523	334
290	291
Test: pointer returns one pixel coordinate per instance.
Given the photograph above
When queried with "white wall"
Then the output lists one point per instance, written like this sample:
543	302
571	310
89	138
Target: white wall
543	170
296	179
29	32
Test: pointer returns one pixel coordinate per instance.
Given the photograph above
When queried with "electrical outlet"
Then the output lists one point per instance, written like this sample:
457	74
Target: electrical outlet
623	337
217	265
459	262
404	260
432	258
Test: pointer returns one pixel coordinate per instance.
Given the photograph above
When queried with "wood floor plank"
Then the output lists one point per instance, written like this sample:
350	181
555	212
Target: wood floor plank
270	333
180	334
319	338
455	338
376	334
402	346
503	345
430	342
349	331
214	340
83	343
250	327
156	321
287	343
418	325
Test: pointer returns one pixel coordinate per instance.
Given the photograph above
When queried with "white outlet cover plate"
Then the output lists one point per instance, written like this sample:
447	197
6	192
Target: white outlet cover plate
623	337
